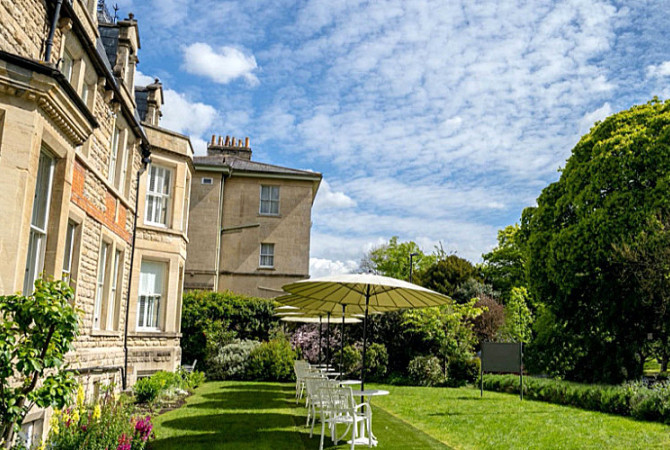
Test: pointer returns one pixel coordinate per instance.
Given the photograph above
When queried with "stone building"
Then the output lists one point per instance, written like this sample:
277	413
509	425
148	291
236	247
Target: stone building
250	222
74	145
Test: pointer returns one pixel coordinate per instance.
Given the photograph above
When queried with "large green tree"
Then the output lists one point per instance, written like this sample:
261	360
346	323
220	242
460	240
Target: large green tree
503	266
614	184
392	259
447	275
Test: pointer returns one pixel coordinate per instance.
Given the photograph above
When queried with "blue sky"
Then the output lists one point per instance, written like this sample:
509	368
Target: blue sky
436	121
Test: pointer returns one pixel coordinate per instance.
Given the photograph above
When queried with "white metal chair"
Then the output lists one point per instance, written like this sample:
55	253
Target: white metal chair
341	408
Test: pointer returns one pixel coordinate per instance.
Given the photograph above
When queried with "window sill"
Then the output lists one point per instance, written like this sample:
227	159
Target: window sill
266	268
105	333
275	216
154	333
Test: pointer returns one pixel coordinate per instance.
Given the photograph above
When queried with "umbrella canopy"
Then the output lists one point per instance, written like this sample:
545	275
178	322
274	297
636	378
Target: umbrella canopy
305	319
353	289
323	307
365	291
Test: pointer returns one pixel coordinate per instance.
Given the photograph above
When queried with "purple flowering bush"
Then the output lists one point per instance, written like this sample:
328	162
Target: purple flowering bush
306	338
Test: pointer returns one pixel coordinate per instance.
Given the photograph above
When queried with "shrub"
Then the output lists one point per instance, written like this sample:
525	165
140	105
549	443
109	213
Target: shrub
193	380
635	399
248	317
462	371
232	361
271	361
426	371
351	360
376	361
147	389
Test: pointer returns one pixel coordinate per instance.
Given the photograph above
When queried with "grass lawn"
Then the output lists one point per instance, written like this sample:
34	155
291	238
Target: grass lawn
246	415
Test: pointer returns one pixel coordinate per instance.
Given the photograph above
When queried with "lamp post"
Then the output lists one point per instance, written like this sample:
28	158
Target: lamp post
411	264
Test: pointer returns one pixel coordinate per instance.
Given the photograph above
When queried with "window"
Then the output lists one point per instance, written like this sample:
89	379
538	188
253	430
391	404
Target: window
152	275
67	65
31	433
39	222
69	252
117	270
270	200
112	155
158	195
267	255
100	287
206	180
123	157
187	199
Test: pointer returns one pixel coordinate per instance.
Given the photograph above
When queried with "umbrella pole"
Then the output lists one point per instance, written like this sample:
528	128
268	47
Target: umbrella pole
319	340
365	342
328	342
342	344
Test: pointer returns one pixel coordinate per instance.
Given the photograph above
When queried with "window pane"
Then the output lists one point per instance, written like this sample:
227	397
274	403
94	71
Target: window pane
67	254
150	290
34	262
99	294
42	192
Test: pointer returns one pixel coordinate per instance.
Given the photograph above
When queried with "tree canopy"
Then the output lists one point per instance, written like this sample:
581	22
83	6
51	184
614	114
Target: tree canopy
392	259
615	183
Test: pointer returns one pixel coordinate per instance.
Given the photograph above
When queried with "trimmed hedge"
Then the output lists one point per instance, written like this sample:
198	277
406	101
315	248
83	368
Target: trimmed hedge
635	399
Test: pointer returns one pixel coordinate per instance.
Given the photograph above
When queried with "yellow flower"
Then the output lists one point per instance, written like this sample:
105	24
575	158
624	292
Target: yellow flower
96	412
42	446
55	428
75	416
80	396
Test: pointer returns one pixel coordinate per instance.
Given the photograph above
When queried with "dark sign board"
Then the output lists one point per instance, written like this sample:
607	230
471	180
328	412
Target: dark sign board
501	357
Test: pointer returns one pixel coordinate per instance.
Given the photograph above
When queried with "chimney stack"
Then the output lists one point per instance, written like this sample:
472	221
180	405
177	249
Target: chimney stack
231	145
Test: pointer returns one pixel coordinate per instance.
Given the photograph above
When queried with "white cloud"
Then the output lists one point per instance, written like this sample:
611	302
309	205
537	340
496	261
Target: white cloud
185	116
326	198
142	80
592	117
221	66
660	70
319	267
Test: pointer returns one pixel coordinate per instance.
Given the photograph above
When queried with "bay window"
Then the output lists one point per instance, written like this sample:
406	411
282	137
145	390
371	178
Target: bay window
158	196
152	284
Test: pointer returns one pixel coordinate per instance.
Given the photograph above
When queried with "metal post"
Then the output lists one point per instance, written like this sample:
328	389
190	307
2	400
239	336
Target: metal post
365	342
521	370
320	340
328	343
481	380
342	344
411	264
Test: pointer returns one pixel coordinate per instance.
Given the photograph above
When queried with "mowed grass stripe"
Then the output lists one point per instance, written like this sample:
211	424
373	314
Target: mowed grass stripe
463	420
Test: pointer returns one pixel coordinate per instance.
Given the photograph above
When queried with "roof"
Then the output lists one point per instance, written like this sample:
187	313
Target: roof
243	165
109	34
141	97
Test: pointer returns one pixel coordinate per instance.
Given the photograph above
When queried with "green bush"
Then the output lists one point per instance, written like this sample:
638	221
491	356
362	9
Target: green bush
376	362
462	371
147	390
635	399
426	371
214	317
271	361
232	360
167	380
351	361
193	380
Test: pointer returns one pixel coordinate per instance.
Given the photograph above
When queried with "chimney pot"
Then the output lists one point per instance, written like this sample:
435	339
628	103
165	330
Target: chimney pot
220	140
246	142
227	141
213	139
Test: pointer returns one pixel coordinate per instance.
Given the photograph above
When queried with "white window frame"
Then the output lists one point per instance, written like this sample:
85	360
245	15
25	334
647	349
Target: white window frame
67	65
268	200
101	283
149	301
267	256
68	254
38	231
157	202
117	274
113	154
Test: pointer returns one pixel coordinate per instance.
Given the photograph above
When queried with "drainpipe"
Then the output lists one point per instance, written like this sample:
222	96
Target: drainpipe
52	31
145	161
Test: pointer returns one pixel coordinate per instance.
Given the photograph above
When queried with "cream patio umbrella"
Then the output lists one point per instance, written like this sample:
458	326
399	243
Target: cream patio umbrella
328	309
365	291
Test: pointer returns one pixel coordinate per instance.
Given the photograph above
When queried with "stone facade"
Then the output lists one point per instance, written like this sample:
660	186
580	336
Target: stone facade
229	225
70	125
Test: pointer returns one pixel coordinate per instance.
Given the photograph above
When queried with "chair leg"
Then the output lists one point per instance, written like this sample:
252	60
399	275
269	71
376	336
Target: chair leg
323	432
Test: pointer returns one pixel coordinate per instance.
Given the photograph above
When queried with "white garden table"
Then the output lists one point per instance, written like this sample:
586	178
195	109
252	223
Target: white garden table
362	439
